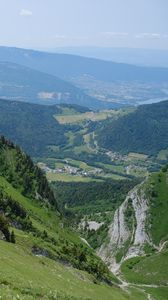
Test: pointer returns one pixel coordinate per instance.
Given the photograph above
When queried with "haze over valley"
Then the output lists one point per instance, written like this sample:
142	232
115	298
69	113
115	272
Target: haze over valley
84	150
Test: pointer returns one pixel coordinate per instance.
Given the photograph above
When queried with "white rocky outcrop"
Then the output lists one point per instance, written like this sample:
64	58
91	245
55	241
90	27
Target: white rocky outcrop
128	239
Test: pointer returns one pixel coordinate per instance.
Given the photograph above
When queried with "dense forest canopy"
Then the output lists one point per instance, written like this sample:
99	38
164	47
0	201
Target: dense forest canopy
145	130
32	126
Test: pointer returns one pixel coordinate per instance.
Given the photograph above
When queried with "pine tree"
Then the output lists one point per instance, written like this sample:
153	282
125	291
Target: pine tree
13	240
4	227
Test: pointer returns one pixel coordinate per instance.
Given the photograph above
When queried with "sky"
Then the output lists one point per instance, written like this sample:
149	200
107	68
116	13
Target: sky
100	23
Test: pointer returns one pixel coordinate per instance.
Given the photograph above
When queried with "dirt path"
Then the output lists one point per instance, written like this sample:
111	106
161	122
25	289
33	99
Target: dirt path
125	285
161	247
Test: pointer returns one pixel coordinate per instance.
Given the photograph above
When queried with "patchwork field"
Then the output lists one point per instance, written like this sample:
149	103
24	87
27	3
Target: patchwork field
70	118
69	178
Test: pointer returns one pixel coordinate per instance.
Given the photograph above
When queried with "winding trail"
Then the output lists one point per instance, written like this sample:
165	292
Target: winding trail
161	246
125	285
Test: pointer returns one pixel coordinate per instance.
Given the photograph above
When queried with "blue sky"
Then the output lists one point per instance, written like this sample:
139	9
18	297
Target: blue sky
107	23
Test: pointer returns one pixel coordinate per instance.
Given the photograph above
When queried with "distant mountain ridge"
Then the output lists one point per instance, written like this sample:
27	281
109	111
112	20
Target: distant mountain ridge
134	56
65	66
22	83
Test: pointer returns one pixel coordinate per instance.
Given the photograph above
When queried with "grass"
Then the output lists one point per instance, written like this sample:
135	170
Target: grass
87	138
160	293
82	148
32	277
27	276
137	156
69	178
159	207
79	164
68	111
152	269
113	168
163	155
70	135
48	219
115	176
72	118
147	270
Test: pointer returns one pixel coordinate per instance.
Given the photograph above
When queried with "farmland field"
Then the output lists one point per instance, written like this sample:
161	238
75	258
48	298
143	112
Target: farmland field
80	117
69	178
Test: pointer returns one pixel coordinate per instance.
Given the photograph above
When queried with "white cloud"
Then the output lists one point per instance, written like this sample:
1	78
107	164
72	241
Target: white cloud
59	37
68	37
110	34
26	13
148	35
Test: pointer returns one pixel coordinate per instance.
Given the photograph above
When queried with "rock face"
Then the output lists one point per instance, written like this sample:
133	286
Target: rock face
127	233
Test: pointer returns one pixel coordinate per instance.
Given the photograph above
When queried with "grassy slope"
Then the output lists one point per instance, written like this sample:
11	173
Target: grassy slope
158	293
40	264
152	269
159	207
147	270
33	277
37	277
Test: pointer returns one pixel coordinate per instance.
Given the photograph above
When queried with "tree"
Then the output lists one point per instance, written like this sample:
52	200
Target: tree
12	238
4	227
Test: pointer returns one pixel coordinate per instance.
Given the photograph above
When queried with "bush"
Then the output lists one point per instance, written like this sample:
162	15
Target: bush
4	227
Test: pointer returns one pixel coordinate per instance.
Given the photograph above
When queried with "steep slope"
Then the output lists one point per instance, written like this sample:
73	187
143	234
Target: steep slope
24	84
145	130
29	217
139	228
127	232
42	258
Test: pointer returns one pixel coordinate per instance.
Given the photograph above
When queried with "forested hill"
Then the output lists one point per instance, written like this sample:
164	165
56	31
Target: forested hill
19	170
145	130
31	126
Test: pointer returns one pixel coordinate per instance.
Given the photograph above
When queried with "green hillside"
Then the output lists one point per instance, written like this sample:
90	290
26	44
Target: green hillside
145	130
157	190
35	128
32	126
40	258
152	268
39	130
